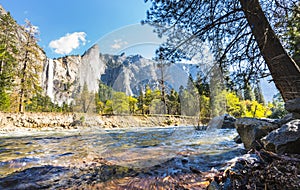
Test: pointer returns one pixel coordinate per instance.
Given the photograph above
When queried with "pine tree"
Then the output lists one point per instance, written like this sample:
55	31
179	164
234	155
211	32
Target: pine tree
30	68
204	92
8	59
173	102
259	97
157	104
248	93
86	100
217	99
278	110
189	99
140	103
202	85
293	34
104	92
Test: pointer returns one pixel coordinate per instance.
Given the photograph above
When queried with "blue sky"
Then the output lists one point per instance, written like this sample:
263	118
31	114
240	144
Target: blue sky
72	26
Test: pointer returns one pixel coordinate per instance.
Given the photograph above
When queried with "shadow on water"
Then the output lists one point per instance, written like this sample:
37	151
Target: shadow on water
43	177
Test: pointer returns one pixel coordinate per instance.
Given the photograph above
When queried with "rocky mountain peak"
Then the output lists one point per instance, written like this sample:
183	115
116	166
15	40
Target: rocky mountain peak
2	10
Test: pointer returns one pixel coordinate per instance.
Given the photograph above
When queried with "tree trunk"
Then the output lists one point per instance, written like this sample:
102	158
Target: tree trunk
22	85
284	70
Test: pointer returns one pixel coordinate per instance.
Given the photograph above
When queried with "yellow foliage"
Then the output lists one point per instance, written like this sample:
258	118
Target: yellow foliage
255	109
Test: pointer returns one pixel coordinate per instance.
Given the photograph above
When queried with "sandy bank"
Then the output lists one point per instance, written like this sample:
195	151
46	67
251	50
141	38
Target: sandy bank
12	121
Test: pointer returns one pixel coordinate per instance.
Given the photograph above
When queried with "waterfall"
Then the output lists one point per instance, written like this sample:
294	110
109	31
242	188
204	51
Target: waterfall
50	79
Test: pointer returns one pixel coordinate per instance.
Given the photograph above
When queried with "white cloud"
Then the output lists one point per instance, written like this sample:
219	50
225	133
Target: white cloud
118	44
68	43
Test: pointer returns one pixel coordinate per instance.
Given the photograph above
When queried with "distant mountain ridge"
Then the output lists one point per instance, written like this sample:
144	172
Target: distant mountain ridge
64	77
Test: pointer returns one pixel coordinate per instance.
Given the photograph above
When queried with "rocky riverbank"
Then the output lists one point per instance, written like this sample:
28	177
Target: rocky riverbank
15	121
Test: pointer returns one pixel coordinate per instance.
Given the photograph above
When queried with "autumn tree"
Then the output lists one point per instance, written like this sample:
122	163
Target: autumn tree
233	104
241	31
132	104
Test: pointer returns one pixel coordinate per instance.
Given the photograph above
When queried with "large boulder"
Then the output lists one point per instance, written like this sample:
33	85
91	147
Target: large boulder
225	121
251	130
286	139
293	106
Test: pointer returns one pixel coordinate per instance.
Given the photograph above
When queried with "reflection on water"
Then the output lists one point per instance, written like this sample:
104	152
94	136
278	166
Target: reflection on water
134	147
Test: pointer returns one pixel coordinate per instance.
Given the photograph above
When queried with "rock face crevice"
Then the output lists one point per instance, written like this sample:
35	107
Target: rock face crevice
91	68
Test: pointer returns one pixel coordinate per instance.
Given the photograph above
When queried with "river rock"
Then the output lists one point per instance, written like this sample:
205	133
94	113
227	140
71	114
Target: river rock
228	122
225	121
237	139
286	139
289	117
251	130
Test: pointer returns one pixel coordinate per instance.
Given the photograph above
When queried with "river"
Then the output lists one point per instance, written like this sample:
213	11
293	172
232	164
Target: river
48	158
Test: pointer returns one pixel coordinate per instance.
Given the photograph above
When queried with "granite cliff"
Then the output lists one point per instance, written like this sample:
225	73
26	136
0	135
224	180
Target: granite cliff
63	78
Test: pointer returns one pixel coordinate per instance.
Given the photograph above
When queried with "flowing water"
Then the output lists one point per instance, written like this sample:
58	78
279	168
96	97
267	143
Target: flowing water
128	148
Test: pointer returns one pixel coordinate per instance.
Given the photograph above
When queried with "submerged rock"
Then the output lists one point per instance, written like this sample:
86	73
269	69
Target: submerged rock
237	139
286	139
251	130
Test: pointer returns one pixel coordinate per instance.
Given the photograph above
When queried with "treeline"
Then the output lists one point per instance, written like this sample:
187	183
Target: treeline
193	100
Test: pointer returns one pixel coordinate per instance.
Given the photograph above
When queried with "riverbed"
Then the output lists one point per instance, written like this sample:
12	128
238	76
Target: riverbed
48	159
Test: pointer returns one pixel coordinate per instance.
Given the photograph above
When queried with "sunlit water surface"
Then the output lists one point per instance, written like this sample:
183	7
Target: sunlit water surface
133	147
